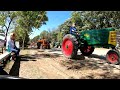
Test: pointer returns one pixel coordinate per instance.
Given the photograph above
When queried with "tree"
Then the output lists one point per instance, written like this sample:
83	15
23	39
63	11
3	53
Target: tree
76	18
35	39
97	19
29	20
21	36
7	20
32	19
44	34
60	36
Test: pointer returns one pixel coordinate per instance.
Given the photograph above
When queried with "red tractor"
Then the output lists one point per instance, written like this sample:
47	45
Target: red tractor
43	44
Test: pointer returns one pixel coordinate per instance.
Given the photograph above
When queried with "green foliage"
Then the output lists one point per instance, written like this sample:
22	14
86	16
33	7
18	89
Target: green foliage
50	35
59	36
27	21
31	19
35	39
44	34
95	19
7	20
21	36
76	18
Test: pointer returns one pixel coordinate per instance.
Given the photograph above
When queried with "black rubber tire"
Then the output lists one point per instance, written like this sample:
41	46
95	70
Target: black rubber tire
38	45
117	53
89	53
57	46
75	46
49	46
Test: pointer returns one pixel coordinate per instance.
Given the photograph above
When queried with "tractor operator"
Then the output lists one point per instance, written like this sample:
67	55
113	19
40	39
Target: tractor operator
73	30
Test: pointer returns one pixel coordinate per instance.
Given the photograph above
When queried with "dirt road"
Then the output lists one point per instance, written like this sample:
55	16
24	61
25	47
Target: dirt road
50	64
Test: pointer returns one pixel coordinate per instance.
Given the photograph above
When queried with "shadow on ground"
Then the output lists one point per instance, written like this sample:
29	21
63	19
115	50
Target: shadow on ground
14	71
3	72
97	56
82	57
106	75
81	63
29	57
90	64
54	49
16	66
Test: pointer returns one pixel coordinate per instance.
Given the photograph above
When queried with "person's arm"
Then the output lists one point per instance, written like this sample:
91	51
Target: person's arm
14	50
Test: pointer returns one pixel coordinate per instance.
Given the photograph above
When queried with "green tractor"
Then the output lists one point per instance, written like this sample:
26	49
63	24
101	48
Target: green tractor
88	40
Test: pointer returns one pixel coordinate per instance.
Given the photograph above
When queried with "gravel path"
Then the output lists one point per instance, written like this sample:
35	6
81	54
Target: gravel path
50	64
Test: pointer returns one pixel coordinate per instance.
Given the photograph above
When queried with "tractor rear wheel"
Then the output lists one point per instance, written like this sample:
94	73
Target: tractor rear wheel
69	46
113	57
87	50
49	46
38	45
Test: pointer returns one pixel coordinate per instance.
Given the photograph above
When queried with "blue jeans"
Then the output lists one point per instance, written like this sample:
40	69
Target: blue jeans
16	51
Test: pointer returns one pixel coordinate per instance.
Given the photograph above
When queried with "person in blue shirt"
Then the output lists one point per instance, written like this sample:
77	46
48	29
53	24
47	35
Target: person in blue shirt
11	45
73	29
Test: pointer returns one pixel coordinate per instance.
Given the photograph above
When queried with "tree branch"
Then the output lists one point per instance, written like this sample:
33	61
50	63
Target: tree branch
7	30
8	26
5	26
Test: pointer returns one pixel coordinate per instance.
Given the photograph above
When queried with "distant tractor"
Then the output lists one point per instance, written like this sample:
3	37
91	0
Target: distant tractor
87	40
43	44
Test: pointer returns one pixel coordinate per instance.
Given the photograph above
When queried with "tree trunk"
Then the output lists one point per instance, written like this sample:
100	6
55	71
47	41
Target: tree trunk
7	28
23	43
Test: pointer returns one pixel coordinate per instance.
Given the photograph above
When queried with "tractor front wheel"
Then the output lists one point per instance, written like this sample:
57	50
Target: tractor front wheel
113	57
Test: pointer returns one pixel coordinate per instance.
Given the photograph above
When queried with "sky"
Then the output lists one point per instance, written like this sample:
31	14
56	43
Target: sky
55	18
